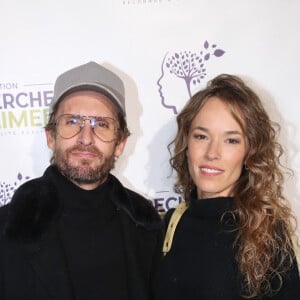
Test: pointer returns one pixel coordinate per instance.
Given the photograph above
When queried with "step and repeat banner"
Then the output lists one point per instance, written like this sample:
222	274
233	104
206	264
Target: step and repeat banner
144	41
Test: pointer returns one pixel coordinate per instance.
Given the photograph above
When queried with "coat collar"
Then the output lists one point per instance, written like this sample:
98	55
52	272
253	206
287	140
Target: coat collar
35	204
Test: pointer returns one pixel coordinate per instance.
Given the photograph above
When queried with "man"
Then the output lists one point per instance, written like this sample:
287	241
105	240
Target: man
76	232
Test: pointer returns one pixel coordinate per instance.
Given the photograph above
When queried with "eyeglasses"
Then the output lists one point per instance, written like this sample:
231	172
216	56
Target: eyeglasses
69	125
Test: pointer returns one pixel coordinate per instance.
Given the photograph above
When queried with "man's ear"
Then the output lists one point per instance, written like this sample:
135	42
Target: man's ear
120	147
50	138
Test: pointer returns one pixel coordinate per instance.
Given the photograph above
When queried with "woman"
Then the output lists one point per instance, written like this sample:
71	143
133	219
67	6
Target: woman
234	239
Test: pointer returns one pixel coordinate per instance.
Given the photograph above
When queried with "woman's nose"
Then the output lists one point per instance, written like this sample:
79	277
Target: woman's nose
213	150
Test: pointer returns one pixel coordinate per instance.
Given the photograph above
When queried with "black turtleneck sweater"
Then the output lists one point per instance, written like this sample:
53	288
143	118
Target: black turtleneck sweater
201	263
92	241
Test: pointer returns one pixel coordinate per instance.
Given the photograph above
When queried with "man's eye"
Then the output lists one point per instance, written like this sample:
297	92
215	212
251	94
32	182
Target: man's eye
72	121
102	124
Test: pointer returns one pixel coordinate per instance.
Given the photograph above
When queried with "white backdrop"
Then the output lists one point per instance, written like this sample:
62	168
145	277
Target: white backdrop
141	40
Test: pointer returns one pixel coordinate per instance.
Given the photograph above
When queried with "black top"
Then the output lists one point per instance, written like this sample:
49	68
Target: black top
92	241
201	263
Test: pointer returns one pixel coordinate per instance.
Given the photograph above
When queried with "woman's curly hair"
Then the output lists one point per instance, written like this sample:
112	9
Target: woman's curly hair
264	219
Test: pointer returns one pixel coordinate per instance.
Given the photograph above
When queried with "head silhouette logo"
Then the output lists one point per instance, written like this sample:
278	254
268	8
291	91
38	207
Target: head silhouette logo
188	66
7	189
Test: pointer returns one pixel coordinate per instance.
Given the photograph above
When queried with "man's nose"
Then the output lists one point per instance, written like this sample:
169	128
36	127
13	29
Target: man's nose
86	135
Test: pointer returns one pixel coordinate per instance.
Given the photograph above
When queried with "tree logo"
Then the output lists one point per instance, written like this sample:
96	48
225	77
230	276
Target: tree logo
7	189
188	66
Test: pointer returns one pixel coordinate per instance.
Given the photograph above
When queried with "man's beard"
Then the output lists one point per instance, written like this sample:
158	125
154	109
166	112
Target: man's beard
82	172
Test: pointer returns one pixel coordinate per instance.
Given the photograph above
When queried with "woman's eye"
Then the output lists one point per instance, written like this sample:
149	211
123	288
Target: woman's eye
200	136
233	141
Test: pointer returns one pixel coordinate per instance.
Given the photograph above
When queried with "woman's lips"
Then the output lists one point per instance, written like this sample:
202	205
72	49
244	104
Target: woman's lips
210	171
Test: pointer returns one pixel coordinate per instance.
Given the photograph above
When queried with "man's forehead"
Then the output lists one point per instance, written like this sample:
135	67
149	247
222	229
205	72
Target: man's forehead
84	98
89	93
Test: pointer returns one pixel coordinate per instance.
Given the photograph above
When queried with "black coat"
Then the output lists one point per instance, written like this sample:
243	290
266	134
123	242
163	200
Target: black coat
32	264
